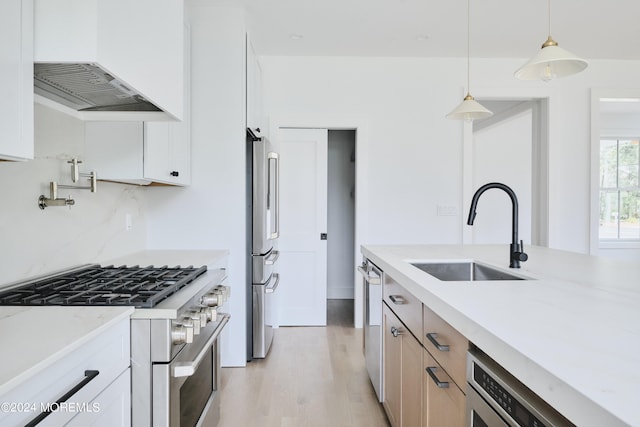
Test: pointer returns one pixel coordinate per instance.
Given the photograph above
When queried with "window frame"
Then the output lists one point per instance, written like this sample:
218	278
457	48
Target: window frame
598	133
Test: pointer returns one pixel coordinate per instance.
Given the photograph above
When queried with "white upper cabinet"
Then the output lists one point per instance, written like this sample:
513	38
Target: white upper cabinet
16	79
110	59
144	152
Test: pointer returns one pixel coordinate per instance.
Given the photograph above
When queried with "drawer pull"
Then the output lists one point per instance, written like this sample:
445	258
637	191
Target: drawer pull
432	374
88	376
397	299
432	336
395	331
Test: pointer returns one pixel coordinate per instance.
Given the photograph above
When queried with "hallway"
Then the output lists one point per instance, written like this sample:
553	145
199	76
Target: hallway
313	376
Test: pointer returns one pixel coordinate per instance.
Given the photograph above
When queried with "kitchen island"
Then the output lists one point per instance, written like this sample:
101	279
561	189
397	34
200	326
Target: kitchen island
571	333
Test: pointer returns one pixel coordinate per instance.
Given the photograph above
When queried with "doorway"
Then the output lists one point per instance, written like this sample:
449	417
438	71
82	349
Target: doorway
316	244
510	147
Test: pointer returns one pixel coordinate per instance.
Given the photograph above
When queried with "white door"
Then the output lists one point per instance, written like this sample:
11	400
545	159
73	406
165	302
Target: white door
302	293
502	153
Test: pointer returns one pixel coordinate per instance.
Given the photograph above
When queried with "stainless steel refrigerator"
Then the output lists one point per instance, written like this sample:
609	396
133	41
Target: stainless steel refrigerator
262	230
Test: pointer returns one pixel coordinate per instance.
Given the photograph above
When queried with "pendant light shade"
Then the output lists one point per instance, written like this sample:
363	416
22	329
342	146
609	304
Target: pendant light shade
469	109
551	61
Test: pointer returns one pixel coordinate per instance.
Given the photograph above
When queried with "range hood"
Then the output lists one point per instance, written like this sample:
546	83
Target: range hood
115	60
86	87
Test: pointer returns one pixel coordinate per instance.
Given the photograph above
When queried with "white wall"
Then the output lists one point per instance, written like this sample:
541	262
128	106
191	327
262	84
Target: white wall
340	214
415	155
38	241
210	214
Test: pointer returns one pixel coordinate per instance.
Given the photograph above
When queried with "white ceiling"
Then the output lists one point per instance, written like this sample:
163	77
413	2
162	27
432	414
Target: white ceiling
592	29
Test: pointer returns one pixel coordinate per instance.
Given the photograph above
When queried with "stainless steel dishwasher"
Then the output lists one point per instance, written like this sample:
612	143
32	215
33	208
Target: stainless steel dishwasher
495	398
372	342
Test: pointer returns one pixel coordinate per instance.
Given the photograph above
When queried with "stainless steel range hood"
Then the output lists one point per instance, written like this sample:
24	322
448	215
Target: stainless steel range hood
87	87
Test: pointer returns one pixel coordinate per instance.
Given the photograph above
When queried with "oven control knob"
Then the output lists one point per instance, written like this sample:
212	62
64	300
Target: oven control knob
195	321
190	323
181	334
211	299
225	291
209	313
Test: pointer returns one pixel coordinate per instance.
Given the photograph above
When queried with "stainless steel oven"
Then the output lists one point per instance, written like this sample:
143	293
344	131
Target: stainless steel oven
495	398
185	390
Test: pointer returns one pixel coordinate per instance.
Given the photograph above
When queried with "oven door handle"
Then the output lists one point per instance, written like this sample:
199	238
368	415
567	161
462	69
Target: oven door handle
186	369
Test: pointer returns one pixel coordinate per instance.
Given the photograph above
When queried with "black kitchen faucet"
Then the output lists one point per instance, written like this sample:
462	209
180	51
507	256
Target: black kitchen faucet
516	250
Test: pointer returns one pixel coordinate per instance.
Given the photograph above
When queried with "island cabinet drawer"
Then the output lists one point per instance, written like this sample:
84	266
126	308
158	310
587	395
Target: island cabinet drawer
447	345
406	306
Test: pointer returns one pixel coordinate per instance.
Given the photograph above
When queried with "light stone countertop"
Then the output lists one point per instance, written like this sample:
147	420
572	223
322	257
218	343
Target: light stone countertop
37	337
572	334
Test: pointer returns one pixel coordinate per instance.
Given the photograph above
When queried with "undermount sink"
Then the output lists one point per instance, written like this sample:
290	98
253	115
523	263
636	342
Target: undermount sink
463	271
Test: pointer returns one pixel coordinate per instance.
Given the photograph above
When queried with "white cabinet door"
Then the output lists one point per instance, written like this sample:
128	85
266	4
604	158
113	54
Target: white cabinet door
302	293
168	144
16	79
111	408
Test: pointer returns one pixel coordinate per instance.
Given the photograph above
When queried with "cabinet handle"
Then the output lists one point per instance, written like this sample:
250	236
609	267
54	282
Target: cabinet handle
88	376
174	173
395	331
432	336
432	374
397	299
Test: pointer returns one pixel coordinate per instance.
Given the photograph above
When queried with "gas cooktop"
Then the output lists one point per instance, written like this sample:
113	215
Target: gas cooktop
137	286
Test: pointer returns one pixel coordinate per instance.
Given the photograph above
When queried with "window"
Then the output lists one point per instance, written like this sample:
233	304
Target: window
619	190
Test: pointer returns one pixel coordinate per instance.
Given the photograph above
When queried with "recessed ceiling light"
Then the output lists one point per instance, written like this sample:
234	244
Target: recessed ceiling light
296	36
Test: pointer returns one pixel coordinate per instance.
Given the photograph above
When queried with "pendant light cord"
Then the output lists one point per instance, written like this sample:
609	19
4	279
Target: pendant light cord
549	11
468	43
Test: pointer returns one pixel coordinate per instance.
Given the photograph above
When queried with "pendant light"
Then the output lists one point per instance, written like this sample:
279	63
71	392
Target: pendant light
551	61
469	109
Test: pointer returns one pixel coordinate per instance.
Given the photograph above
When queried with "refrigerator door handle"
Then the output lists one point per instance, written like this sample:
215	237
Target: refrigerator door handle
272	288
273	192
272	258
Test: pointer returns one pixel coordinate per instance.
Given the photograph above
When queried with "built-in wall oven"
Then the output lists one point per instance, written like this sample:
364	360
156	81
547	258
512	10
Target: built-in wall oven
372	325
497	399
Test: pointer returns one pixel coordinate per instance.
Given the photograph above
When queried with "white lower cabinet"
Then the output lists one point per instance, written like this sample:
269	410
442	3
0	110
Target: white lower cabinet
111	408
94	379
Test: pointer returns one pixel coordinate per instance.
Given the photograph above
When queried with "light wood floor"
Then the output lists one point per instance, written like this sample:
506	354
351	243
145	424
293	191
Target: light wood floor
312	376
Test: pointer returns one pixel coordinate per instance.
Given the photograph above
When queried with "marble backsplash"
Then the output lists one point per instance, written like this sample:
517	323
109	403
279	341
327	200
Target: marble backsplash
35	241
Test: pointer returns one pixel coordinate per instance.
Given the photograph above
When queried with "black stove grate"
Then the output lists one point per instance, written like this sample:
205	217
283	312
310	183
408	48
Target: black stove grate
142	287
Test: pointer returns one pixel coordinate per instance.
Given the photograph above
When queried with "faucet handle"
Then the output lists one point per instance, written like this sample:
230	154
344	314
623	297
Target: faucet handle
520	254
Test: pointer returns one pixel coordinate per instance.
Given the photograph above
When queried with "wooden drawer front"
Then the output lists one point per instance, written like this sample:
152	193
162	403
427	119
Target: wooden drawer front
407	307
107	353
452	352
443	402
